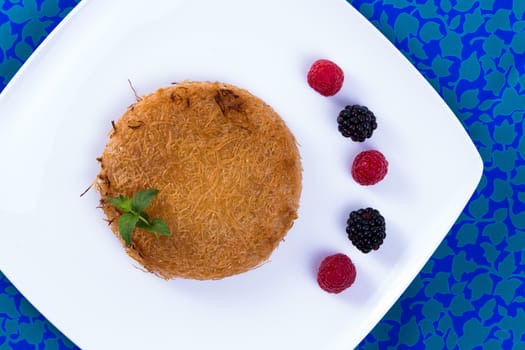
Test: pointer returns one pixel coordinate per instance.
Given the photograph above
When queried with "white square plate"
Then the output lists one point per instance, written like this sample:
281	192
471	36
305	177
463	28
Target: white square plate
54	120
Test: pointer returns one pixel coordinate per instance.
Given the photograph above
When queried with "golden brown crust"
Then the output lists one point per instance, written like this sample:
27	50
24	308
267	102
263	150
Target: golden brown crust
228	171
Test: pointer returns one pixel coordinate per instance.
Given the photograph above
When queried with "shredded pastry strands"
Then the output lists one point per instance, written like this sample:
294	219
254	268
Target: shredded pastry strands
228	171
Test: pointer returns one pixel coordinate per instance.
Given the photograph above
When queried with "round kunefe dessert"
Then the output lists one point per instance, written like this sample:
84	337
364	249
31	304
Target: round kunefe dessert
227	169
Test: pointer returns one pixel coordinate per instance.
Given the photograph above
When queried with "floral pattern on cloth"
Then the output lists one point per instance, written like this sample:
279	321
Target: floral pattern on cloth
471	294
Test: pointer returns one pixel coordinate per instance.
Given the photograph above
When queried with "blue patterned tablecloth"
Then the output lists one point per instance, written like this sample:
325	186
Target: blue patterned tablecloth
471	294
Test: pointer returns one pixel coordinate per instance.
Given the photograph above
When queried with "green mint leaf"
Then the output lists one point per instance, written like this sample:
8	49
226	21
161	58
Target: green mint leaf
142	199
157	226
121	202
126	225
135	216
141	223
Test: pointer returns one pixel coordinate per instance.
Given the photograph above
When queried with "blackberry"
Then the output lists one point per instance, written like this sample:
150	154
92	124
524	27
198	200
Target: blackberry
356	122
366	229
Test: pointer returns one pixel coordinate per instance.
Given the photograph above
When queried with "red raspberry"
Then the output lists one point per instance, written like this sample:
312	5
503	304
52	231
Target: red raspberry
369	167
336	273
325	77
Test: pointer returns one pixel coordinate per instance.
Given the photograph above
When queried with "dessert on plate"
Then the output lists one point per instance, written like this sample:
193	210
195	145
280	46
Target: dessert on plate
228	174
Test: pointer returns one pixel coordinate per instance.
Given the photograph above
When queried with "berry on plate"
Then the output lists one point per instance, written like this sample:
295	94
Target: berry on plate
369	167
356	122
366	229
336	273
325	77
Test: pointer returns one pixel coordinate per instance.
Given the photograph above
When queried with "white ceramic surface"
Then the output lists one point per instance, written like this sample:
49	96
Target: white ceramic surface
54	118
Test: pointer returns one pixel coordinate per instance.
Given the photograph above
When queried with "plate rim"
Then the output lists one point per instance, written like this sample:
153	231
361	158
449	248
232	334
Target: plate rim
43	47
